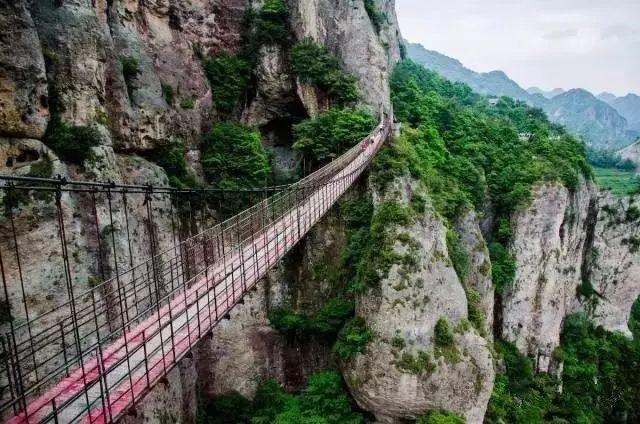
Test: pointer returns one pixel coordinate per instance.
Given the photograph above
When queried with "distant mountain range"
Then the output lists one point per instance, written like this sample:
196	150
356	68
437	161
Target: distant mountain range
548	94
605	122
629	107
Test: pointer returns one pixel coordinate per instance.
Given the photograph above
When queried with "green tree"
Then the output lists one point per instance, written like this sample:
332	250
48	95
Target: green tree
313	64
229	77
441	416
72	143
325	396
233	157
331	133
353	339
272	23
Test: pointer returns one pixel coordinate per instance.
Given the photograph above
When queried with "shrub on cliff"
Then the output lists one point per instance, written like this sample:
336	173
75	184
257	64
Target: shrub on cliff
327	321
353	339
323	400
233	157
503	266
331	133
375	15
272	23
130	71
229	76
71	143
172	158
441	416
313	64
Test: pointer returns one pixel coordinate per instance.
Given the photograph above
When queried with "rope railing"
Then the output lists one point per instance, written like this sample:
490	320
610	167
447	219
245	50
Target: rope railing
97	353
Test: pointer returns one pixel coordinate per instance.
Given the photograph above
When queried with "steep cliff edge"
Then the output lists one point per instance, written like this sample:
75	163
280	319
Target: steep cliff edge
565	242
549	238
406	369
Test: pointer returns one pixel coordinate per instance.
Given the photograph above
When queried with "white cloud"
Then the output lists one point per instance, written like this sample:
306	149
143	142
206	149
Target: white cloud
560	34
549	43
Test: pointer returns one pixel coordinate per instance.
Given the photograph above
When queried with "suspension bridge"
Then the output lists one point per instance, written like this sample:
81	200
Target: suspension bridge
161	268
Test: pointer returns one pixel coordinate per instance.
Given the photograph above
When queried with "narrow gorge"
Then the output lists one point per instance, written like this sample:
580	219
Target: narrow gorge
471	275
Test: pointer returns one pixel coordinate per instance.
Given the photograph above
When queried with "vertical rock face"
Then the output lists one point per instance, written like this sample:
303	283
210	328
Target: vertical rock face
23	84
77	49
478	273
167	39
548	243
632	153
561	241
392	378
347	30
615	261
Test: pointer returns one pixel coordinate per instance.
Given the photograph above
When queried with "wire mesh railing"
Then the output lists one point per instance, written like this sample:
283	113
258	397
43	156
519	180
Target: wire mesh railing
156	288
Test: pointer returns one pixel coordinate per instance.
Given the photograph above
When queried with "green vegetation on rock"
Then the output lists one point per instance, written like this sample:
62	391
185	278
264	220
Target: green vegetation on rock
331	133
42	168
169	93
379	255
353	339
328	321
187	103
586	290
419	364
71	143
172	158
313	64
377	17
271	24
441	416
444	341
503	266
324	400
233	157
229	77
519	395
130	71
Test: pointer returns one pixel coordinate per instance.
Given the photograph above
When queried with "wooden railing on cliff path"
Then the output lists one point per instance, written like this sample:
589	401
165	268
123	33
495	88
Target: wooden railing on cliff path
93	357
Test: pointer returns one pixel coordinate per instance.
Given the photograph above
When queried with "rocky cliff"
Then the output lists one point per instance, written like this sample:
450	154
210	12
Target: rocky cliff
400	374
563	243
632	153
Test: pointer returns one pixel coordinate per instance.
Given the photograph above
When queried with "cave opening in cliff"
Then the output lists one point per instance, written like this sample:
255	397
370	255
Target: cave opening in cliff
278	138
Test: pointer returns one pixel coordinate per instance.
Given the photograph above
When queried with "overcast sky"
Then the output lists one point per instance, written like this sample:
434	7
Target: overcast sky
593	44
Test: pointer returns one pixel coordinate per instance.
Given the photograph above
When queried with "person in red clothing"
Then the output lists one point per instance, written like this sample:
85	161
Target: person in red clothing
365	144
